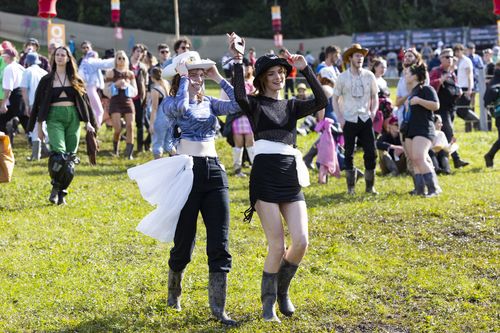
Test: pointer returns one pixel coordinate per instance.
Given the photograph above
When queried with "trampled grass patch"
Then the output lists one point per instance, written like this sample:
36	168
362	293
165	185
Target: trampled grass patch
391	263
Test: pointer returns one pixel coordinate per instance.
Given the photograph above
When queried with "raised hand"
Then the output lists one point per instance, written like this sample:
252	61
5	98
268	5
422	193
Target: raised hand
232	39
213	74
296	60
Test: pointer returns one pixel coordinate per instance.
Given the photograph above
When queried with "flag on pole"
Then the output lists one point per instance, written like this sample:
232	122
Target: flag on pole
115	11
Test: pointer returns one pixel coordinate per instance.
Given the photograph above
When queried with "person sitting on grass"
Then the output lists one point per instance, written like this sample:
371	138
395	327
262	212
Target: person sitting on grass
392	158
441	148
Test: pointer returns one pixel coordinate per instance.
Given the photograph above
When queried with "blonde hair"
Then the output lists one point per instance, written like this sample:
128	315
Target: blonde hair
124	55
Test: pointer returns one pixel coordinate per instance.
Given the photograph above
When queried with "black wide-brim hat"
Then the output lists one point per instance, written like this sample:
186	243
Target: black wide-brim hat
267	61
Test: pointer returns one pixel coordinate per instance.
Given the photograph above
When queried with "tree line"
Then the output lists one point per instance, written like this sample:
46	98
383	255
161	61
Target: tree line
300	18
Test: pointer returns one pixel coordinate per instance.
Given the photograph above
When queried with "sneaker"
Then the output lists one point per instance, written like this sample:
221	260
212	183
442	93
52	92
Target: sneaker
240	175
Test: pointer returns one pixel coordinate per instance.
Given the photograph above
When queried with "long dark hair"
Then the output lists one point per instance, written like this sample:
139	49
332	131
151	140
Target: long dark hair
71	70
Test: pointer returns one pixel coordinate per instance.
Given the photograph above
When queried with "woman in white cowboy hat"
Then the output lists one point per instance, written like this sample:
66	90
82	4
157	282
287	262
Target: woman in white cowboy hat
206	188
278	172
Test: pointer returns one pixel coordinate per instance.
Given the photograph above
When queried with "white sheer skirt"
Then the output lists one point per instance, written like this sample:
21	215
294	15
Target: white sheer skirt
166	183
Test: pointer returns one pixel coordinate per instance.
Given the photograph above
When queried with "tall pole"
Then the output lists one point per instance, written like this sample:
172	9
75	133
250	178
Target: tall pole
176	13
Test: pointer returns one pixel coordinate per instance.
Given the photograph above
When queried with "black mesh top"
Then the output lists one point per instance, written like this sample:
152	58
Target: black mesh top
276	120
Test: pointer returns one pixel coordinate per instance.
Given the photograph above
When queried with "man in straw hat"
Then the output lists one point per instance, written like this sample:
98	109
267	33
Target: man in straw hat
357	88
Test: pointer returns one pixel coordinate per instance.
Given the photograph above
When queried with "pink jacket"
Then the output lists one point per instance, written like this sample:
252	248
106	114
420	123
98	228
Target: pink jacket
327	149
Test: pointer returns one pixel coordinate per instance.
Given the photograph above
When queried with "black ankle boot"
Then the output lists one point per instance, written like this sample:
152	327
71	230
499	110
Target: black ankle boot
268	295
285	275
217	289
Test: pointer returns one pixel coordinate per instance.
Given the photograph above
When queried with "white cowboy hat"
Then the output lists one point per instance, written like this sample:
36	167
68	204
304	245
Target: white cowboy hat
192	60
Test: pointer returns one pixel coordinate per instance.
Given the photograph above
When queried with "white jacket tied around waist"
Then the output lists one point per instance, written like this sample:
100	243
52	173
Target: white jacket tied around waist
271	147
166	183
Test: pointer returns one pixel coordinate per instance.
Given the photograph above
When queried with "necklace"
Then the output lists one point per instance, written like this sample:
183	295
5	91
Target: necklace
59	79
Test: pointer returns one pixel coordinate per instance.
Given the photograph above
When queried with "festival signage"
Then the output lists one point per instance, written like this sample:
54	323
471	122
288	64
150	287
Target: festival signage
56	34
397	39
429	36
371	39
453	36
486	35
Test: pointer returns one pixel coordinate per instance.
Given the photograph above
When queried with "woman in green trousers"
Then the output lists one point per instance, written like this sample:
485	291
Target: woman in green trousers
62	102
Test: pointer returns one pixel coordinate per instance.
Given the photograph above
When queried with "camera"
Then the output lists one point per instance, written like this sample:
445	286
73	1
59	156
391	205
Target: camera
239	46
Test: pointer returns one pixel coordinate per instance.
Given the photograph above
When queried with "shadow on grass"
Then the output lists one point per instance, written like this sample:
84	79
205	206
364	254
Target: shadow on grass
314	200
171	321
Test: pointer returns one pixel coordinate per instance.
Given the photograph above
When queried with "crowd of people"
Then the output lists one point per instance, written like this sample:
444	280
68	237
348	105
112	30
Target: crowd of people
158	103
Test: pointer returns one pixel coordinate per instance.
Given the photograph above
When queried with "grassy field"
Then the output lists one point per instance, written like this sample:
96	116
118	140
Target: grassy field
390	263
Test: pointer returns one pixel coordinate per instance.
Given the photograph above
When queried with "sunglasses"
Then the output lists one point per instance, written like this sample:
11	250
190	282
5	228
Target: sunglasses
164	51
120	58
447	57
187	47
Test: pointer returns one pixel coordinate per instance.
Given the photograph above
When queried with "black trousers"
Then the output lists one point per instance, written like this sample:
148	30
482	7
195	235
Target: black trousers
448	116
363	131
15	109
496	146
210	196
141	122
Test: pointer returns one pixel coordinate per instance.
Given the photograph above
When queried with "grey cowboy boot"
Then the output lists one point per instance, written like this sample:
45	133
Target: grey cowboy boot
268	295
370	181
217	288
174	289
129	150
431	183
350	176
419	184
116	148
285	275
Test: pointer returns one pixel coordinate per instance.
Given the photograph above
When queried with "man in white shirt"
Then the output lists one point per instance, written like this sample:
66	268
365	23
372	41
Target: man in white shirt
465	80
30	80
358	89
12	105
332	54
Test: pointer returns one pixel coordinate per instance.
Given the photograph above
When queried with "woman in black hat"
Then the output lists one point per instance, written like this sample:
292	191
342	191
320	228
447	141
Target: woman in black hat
278	171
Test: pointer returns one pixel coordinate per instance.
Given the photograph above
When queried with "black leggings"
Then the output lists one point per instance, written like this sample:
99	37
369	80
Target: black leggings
210	196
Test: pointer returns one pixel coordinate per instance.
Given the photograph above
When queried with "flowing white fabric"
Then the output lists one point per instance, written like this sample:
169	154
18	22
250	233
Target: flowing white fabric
165	182
271	147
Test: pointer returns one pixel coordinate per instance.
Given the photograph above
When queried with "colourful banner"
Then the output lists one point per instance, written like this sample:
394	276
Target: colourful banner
56	34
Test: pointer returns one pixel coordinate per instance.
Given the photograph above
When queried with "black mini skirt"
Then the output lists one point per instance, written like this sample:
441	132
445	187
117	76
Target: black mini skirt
274	179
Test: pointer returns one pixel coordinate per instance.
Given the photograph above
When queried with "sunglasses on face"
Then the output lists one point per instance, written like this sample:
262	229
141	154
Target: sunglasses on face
121	58
447	57
186	47
164	51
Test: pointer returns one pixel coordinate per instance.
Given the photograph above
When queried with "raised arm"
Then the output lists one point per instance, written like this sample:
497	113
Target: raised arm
168	107
182	96
305	108
239	89
223	107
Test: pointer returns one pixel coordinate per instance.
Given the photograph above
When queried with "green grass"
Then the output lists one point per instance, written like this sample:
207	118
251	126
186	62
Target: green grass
391	263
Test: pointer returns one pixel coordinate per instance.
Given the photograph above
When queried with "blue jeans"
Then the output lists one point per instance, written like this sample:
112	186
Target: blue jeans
160	131
210	196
